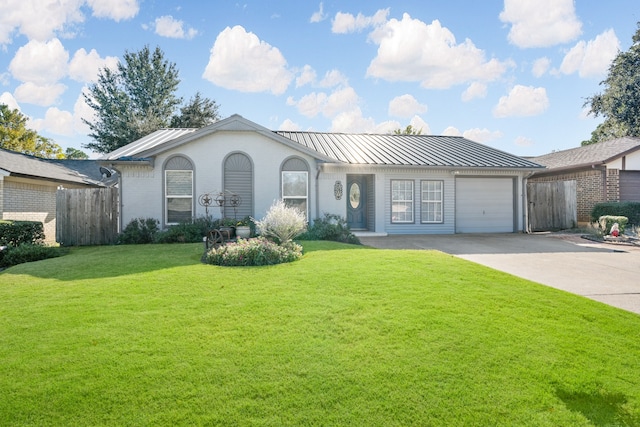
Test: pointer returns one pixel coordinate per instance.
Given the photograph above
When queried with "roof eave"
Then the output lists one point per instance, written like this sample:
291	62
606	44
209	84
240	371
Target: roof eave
148	161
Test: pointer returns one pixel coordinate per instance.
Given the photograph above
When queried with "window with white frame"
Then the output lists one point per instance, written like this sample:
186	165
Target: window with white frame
401	201
432	196
178	195
295	185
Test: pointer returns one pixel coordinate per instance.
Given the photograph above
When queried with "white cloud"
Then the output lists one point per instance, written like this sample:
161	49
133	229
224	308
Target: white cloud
592	59
40	63
451	131
541	23
410	50
522	141
166	26
540	66
352	122
43	19
289	125
319	15
309	105
345	23
420	125
37	22
307	76
84	67
405	106
7	99
481	135
114	9
240	60
340	100
82	111
43	95
334	78
475	90
55	121
522	101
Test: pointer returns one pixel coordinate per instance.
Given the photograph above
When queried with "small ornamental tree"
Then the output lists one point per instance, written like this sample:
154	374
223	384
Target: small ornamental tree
282	223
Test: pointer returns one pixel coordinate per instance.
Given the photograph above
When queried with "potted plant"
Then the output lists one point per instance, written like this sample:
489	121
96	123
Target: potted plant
243	227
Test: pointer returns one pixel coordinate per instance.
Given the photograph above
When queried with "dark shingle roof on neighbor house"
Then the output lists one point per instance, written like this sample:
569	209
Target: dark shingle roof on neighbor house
25	166
588	155
360	149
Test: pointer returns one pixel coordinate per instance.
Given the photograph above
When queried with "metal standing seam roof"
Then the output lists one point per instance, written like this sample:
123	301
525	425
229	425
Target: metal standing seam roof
152	140
598	153
407	150
23	165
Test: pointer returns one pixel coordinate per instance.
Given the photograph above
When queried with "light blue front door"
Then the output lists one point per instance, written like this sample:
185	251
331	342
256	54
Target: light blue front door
357	202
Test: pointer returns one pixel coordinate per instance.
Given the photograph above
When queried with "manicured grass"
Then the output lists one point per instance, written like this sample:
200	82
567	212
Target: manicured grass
146	335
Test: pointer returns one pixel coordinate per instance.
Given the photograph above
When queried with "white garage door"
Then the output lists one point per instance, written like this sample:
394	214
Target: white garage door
484	205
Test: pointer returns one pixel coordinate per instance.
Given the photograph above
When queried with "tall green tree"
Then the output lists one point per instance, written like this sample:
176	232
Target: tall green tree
409	130
619	102
196	113
74	153
136	99
15	136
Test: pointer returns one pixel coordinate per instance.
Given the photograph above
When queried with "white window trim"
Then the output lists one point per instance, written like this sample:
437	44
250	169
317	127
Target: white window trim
167	196
297	197
412	202
424	203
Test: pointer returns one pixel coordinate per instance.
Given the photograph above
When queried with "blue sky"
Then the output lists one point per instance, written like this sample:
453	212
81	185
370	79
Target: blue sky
511	74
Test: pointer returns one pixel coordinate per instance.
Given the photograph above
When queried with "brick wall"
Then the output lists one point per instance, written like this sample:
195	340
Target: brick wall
613	185
31	202
589	185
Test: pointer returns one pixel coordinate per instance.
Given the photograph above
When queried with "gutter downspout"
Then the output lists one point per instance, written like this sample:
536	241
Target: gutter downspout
525	202
119	197
317	185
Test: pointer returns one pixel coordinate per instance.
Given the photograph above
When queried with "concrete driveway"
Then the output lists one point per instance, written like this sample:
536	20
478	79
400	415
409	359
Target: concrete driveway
603	272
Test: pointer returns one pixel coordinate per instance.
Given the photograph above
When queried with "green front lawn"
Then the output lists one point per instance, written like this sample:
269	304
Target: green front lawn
147	335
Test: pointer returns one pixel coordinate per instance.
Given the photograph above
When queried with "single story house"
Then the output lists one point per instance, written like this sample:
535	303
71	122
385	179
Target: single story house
28	186
606	171
383	184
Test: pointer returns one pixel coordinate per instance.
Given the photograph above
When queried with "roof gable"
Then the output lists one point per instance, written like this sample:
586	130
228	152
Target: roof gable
593	154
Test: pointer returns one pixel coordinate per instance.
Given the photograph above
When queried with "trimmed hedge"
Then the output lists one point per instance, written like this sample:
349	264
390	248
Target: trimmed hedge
631	210
330	227
16	233
26	252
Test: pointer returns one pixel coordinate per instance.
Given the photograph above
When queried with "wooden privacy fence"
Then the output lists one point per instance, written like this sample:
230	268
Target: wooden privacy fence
87	216
552	205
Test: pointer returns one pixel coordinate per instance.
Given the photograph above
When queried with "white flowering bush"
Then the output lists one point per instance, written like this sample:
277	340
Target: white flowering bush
282	223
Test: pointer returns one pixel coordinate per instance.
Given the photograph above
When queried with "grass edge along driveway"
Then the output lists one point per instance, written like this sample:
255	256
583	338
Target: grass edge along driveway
147	335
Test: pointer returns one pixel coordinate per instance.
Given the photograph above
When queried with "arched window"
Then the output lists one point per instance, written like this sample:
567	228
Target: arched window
238	179
178	190
295	184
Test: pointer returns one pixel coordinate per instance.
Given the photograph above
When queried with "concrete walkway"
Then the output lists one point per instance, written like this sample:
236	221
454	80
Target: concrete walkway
608	273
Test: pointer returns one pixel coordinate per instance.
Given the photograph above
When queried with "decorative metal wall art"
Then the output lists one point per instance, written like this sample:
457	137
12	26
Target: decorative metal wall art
338	190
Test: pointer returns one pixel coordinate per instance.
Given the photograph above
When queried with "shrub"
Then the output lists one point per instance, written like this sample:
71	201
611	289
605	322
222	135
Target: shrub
282	223
256	251
16	233
27	252
629	209
187	232
330	227
607	221
139	230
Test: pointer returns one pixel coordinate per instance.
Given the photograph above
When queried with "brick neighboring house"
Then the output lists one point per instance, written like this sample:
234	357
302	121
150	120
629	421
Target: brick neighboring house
28	186
606	171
